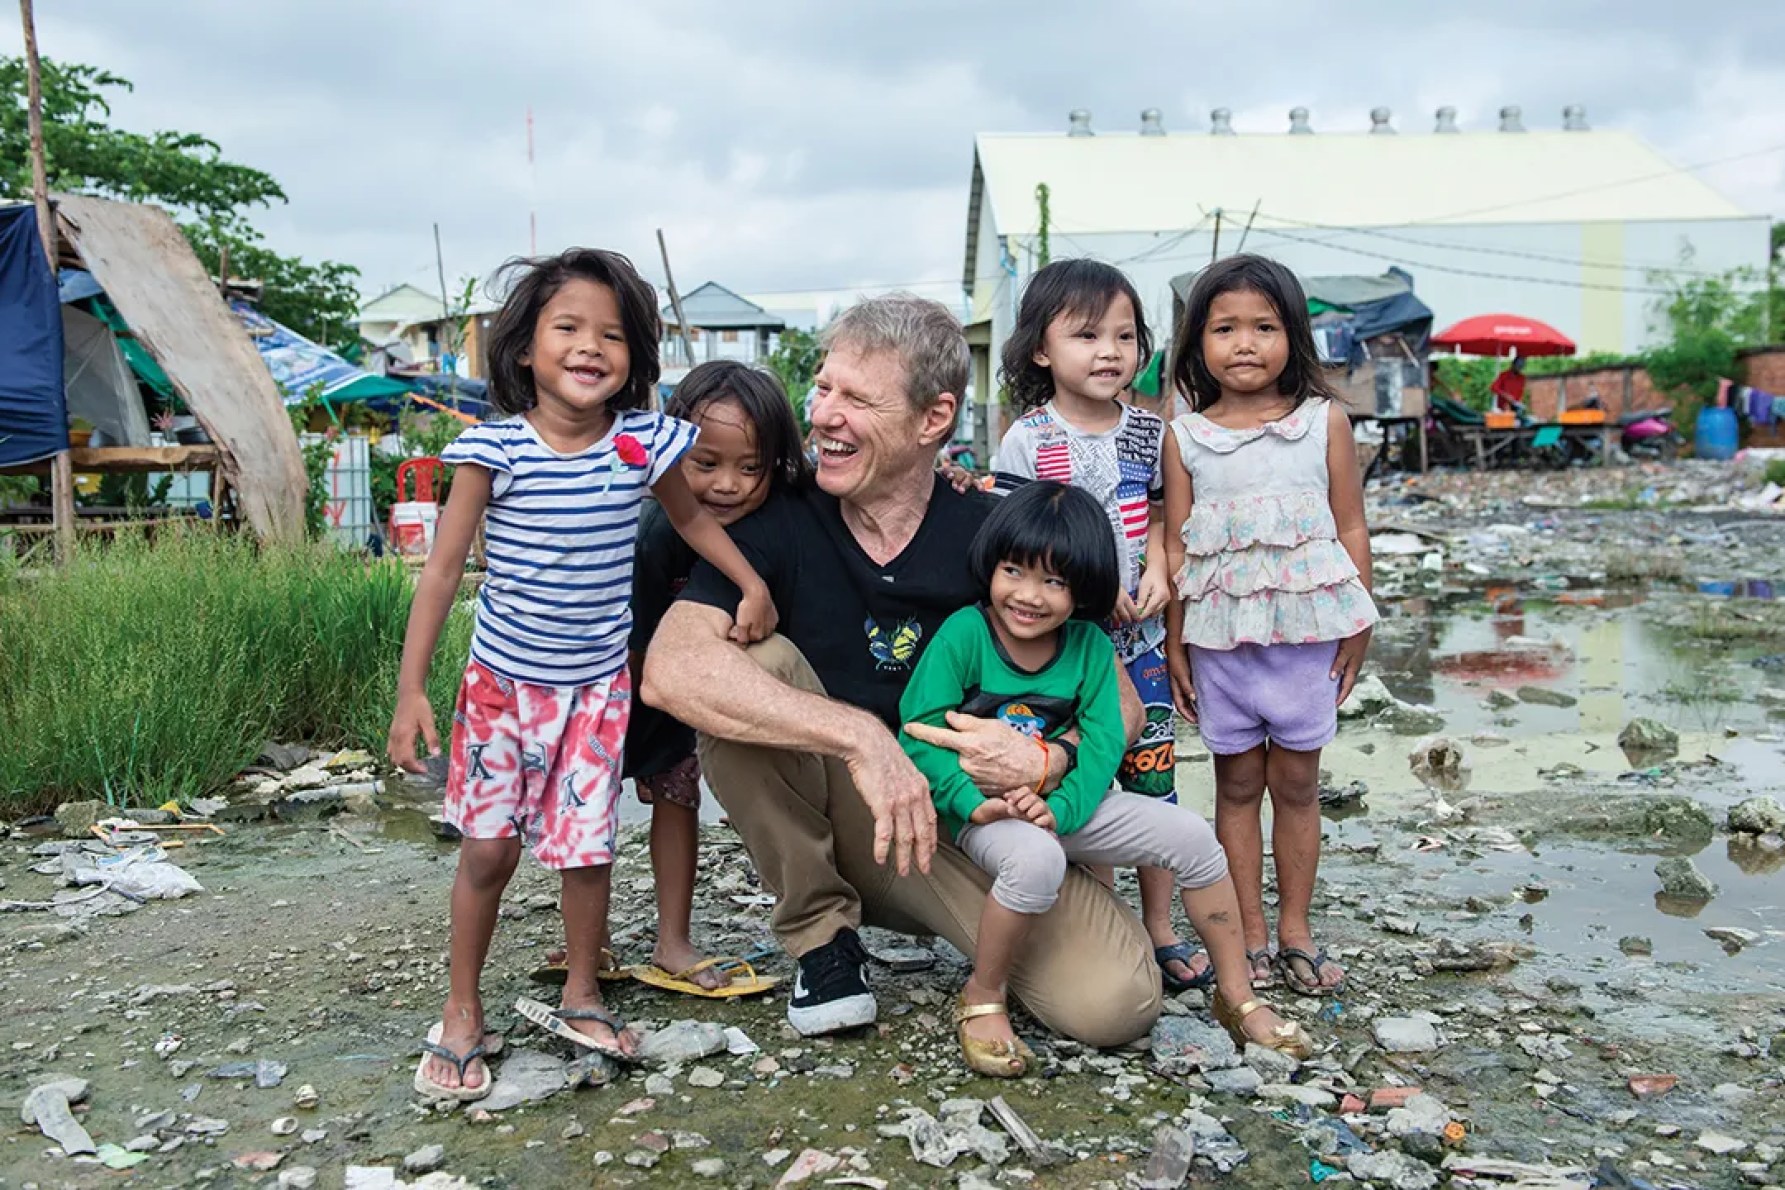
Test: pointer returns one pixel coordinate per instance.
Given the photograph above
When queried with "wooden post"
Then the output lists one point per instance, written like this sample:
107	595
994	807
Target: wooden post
675	299
61	467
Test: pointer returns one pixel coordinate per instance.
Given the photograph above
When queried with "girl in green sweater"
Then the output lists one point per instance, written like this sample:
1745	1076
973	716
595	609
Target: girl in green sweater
1032	654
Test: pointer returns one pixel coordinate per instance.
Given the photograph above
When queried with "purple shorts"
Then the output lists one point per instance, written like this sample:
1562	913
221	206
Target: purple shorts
1282	693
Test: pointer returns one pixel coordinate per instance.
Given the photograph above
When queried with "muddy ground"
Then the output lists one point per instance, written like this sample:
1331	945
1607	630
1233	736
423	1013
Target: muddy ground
1519	913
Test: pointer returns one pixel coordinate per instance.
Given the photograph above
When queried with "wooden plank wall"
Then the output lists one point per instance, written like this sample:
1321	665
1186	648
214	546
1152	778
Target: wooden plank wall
150	273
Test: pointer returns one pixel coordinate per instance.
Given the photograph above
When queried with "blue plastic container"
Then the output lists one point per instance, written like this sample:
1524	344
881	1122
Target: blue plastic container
1717	436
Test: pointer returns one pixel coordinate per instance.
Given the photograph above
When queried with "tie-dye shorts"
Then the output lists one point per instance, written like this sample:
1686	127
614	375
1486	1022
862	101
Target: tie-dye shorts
540	763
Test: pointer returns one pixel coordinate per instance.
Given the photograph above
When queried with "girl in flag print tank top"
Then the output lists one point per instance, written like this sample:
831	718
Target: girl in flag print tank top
1080	337
540	722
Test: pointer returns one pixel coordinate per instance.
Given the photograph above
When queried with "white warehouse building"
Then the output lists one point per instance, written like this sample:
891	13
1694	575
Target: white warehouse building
1567	226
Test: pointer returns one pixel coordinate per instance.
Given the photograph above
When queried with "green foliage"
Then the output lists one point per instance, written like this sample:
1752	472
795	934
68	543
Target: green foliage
143	671
1775	472
795	360
184	171
1044	252
317	454
424	435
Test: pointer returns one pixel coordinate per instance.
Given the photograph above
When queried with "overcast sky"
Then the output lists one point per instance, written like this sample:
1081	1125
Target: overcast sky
806	144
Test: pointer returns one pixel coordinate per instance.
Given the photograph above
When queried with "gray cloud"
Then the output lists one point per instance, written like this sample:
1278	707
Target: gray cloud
806	144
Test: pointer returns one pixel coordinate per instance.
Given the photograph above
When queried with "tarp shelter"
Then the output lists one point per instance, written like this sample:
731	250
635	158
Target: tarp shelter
33	419
140	258
298	366
1375	305
98	384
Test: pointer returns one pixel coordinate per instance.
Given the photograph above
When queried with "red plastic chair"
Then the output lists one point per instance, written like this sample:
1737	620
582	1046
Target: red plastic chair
425	471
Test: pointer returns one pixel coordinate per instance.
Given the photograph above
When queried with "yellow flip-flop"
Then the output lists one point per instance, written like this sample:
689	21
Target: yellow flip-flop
610	971
744	979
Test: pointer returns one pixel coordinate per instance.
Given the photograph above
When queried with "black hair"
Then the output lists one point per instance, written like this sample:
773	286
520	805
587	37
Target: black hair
1084	288
535	281
1302	376
1062	528
764	402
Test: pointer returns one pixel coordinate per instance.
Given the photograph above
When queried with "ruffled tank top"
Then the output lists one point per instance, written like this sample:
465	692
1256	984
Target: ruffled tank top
1262	559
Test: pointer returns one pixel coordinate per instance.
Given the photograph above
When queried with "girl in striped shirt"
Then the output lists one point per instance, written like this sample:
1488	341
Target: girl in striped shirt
540	723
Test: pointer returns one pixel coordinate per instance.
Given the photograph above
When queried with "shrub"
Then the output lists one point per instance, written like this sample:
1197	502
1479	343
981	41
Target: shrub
148	670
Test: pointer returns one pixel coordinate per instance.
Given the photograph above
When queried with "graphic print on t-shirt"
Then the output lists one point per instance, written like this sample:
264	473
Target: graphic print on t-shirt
895	647
1036	715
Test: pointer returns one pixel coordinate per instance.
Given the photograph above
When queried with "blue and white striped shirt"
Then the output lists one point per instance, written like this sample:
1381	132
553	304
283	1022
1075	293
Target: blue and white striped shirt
556	604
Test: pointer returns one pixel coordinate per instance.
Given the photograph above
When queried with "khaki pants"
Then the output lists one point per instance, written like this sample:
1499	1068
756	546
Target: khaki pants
1087	970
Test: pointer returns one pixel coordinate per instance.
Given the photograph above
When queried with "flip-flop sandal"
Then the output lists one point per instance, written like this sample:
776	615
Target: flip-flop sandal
1262	957
1288	956
429	1089
493	1043
1181	952
748	983
556	974
555	1021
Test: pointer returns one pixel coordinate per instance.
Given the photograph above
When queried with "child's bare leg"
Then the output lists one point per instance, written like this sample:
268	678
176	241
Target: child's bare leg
584	904
1214	912
1001	934
1294	782
485	866
1239	798
1156	886
675	844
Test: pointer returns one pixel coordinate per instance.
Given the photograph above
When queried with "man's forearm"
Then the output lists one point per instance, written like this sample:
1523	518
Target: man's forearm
714	687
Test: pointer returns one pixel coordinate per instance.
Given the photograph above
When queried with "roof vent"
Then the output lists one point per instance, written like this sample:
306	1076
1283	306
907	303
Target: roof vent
1152	122
1447	120
1298	122
1510	119
1078	123
1221	122
1574	118
1379	125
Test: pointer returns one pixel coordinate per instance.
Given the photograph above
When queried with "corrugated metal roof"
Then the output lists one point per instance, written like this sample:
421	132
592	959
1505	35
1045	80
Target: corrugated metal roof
1127	183
714	307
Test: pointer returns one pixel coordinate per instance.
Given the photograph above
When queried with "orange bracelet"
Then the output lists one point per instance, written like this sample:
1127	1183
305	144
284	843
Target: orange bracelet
1042	780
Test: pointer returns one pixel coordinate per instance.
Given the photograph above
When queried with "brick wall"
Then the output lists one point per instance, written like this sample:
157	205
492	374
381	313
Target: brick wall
1765	368
1623	389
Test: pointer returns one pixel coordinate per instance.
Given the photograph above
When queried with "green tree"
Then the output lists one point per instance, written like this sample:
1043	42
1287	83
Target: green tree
795	360
183	171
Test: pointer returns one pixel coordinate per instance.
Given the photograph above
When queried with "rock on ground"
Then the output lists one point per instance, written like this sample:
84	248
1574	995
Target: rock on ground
524	1076
1405	1035
1649	739
1758	816
1396	1170
1183	1045
1681	878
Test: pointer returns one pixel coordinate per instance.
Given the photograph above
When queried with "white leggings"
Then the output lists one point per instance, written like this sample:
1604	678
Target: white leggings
1029	863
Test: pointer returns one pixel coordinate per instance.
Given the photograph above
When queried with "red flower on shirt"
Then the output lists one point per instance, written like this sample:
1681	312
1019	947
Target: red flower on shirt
630	450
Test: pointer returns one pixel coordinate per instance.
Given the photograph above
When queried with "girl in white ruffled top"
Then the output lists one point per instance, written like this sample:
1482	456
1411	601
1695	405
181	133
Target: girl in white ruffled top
1272	564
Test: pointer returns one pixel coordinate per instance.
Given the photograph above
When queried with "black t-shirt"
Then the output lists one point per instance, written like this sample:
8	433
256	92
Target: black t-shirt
862	626
656	742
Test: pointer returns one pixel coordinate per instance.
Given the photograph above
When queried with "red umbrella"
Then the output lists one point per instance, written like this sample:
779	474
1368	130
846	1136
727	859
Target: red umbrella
1503	334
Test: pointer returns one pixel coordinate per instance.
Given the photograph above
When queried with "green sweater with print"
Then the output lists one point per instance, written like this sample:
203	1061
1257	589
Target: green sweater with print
966	669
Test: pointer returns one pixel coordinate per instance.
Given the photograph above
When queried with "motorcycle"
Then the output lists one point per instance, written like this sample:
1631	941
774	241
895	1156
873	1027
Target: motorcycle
1650	434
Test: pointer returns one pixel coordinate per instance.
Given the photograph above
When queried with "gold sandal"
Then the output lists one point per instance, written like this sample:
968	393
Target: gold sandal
994	1059
1287	1038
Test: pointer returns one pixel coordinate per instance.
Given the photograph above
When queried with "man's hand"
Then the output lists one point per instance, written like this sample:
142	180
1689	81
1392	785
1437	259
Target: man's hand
899	798
1155	593
1350	662
994	755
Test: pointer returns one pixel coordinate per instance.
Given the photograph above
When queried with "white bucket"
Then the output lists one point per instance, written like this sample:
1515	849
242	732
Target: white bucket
412	525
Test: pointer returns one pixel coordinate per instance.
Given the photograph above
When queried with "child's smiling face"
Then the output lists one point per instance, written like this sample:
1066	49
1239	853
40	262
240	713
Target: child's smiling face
1029	601
1092	360
724	467
579	356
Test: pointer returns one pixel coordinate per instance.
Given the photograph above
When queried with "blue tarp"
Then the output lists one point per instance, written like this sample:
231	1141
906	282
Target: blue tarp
295	362
33	421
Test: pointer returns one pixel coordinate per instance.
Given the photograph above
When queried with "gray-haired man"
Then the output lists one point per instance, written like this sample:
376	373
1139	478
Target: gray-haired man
797	734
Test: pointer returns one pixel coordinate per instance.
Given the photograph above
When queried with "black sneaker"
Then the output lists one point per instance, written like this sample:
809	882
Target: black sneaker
831	992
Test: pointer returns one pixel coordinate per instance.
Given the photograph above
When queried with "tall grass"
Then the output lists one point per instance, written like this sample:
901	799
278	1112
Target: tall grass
144	670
